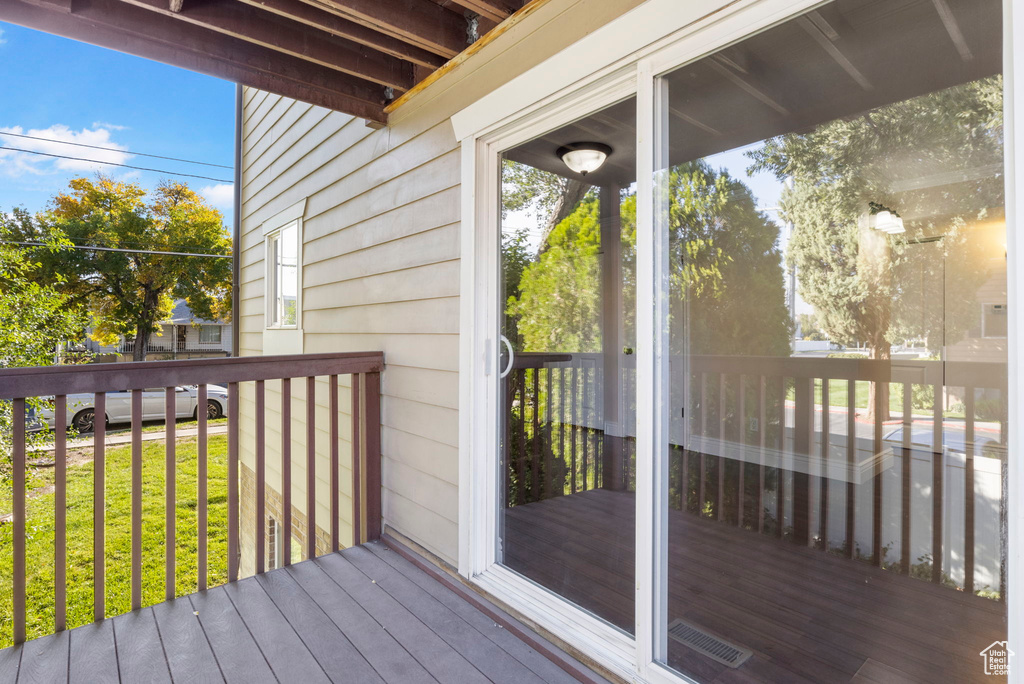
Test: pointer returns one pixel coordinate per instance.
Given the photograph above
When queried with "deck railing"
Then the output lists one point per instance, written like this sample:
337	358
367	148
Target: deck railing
756	442
58	382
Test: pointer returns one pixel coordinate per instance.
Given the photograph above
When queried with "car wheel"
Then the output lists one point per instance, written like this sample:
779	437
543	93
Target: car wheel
213	410
84	421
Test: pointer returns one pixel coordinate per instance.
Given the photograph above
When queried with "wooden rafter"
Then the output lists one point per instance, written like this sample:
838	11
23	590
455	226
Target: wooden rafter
418	22
315	18
270	31
115	25
494	10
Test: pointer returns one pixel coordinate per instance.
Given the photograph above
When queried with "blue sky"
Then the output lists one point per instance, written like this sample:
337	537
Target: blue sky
52	87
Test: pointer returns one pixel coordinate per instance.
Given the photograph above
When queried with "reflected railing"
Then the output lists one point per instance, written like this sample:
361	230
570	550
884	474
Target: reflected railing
913	481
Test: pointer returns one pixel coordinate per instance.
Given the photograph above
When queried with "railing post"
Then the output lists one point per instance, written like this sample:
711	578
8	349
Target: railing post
99	505
357	457
286	469
372	429
60	551
803	426
261	477
233	481
310	467
201	485
18	501
136	579
170	504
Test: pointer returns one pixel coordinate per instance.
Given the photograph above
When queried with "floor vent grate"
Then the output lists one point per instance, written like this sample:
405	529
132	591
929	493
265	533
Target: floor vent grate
707	644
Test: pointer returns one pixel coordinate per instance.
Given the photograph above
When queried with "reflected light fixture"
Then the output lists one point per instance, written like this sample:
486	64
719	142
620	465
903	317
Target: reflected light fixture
884	221
584	157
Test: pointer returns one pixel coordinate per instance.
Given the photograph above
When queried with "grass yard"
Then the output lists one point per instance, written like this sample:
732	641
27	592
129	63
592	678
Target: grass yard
40	534
839	394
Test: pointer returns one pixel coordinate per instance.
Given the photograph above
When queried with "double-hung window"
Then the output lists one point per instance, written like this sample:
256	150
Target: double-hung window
283	277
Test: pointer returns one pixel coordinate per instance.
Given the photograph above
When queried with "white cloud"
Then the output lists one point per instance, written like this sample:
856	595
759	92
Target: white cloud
109	126
2	39
221	195
48	141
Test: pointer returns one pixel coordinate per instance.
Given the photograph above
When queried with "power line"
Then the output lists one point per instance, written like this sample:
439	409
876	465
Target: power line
115	249
97	147
126	166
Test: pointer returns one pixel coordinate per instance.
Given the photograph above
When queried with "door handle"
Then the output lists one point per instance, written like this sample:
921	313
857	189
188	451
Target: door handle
511	357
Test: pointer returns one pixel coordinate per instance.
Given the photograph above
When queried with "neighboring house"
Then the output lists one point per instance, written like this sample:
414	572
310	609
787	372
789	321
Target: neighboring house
181	336
592	421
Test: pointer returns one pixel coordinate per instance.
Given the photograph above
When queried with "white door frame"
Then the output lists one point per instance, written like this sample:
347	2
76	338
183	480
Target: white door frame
621	59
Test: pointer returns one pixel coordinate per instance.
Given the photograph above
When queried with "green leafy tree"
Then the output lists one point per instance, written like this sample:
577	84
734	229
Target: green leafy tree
724	265
129	293
34	317
934	160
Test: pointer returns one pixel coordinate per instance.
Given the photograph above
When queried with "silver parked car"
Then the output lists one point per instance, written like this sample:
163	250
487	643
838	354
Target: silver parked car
81	413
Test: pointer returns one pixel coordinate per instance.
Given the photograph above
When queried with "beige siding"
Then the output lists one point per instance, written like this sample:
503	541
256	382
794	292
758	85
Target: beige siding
381	262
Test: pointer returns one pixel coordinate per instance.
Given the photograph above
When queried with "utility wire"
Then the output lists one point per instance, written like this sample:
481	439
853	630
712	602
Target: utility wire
115	249
97	147
126	166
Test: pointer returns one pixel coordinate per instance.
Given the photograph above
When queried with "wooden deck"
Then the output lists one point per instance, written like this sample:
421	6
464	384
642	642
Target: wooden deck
807	616
365	614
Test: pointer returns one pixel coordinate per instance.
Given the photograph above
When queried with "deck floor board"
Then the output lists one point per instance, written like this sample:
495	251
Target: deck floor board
189	655
46	662
518	649
140	653
484	654
360	615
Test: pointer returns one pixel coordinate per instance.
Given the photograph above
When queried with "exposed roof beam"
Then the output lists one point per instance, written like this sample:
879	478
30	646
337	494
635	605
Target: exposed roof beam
822	37
953	29
746	87
418	22
114	25
175	5
296	10
495	10
267	30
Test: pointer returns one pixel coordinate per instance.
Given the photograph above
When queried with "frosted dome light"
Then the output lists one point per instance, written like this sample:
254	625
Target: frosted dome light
584	158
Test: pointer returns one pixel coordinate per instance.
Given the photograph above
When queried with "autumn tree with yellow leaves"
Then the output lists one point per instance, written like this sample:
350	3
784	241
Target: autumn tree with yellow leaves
130	292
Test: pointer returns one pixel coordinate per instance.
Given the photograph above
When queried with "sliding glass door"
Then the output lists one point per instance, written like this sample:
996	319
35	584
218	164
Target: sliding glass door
799	242
831	201
567	393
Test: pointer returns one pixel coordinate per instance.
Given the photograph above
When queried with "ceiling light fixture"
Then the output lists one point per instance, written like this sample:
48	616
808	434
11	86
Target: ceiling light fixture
883	220
584	157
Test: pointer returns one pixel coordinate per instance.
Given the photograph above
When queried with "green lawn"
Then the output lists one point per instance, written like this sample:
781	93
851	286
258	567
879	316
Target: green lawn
839	394
40	535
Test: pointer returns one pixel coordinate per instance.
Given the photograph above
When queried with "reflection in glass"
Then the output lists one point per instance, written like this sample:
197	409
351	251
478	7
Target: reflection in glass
832	204
567	402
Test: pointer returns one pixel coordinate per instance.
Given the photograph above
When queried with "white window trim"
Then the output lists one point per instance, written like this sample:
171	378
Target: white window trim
582	78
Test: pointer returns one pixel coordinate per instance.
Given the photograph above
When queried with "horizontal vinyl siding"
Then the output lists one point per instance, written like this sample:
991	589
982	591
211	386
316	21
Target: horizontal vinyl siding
380	273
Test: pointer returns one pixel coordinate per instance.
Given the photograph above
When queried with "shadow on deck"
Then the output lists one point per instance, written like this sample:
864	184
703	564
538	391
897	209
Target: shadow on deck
365	614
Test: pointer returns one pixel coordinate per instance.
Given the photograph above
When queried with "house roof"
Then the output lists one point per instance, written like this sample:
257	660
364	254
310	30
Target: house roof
354	56
181	314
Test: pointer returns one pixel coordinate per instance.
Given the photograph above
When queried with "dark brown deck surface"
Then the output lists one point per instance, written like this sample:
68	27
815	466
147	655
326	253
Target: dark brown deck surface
807	616
365	614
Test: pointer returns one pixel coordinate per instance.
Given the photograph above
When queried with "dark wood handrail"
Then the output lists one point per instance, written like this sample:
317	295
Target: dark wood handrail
114	377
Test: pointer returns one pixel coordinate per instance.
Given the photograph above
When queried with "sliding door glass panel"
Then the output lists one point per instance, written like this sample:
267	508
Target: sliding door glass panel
831	199
567	399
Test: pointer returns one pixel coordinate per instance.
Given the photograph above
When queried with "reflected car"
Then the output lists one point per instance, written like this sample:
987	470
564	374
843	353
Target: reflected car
81	412
954	438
